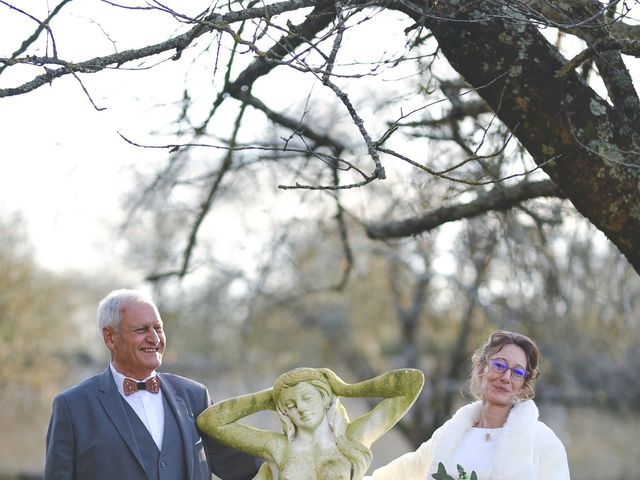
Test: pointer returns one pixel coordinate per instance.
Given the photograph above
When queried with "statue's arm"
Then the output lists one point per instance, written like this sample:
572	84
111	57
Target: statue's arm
398	390
220	421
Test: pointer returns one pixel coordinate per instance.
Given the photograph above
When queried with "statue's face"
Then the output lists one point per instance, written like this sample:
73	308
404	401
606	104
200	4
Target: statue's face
304	405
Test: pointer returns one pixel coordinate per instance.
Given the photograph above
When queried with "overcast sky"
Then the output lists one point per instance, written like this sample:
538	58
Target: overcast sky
63	164
65	168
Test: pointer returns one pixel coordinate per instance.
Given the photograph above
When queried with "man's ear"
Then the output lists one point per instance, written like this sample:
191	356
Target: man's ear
107	335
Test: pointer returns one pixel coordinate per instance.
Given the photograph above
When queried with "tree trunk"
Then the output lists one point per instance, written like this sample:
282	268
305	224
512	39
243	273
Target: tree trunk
584	144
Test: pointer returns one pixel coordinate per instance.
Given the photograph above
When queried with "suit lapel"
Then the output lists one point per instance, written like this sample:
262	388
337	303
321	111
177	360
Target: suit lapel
184	418
111	401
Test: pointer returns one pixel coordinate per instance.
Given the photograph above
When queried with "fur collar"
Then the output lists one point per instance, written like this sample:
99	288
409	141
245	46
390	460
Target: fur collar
514	451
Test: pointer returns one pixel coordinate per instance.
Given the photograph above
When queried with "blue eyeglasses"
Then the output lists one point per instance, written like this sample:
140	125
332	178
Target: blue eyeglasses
500	366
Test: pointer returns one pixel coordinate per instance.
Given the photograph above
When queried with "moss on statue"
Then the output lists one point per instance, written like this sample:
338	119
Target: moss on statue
318	441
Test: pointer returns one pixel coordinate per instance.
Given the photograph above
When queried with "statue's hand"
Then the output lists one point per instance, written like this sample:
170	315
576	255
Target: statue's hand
335	382
267	399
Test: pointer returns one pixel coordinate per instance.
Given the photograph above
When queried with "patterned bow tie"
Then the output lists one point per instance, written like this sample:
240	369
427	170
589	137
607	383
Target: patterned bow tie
152	385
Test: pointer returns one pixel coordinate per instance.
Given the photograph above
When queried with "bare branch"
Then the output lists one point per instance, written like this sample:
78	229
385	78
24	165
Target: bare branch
336	44
500	198
472	108
626	47
86	92
214	21
292	124
444	173
44	25
315	22
344	238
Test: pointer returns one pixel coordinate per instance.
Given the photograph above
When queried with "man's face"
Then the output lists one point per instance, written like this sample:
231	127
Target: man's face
137	346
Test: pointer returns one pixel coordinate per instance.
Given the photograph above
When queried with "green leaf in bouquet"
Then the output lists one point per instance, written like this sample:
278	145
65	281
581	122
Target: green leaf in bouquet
462	475
442	473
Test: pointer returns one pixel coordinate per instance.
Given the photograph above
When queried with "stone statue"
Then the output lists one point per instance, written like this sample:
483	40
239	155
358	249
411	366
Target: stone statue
318	440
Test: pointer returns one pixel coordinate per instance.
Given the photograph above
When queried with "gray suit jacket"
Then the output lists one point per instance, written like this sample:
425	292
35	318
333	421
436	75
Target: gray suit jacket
90	436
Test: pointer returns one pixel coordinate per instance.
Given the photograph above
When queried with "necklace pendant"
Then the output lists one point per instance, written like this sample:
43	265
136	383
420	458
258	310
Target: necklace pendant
487	437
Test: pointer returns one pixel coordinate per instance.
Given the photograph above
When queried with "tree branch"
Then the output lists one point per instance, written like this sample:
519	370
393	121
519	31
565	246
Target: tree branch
472	108
626	47
500	198
214	21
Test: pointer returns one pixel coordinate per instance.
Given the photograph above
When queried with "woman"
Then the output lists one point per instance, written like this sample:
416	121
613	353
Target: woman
498	436
318	442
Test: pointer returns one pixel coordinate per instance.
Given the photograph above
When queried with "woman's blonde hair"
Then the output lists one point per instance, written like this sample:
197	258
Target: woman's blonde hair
495	343
358	454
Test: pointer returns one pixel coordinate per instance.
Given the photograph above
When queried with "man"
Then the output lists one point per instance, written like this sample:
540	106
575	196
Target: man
130	422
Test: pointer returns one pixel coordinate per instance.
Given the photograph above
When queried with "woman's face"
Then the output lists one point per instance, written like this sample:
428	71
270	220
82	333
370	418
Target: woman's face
503	388
304	405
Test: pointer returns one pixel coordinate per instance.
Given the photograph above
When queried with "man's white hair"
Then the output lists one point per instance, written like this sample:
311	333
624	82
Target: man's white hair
111	306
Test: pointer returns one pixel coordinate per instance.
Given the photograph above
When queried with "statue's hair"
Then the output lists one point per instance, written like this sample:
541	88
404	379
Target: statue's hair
496	341
358	454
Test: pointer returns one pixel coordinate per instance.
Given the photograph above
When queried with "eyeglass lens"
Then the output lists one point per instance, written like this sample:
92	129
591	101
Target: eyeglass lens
500	366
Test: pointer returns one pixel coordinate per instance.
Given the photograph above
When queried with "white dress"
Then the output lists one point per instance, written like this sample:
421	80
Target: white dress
475	452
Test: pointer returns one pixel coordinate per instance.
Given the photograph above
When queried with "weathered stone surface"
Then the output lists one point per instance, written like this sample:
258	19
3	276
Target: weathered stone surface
318	441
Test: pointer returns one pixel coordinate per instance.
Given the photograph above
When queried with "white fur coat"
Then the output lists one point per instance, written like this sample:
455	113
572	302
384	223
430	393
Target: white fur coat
526	450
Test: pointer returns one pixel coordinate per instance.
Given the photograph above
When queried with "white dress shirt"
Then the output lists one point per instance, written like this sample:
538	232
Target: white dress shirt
148	406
